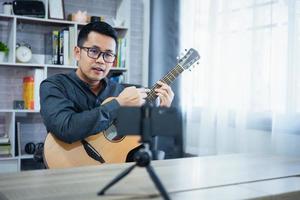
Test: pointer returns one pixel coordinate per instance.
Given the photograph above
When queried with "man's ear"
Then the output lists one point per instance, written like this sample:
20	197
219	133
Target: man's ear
77	53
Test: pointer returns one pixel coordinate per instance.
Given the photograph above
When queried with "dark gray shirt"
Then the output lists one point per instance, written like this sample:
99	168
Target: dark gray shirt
71	111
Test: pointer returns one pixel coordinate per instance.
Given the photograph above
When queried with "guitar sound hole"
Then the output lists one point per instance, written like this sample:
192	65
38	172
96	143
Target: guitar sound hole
111	134
117	138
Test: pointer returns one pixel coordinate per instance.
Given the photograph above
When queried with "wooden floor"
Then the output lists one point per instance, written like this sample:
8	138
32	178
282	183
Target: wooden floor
215	177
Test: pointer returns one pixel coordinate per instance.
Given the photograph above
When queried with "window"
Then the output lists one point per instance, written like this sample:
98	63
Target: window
250	63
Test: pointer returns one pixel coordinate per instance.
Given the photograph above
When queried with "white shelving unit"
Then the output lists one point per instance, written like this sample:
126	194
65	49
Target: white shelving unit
19	28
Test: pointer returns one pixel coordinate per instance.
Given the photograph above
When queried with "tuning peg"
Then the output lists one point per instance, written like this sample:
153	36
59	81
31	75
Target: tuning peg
197	63
185	49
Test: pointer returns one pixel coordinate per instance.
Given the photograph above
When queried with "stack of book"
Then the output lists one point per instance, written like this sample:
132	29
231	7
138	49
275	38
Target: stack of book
5	147
62	43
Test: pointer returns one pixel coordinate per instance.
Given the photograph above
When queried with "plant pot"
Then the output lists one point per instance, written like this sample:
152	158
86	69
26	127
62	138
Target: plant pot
2	56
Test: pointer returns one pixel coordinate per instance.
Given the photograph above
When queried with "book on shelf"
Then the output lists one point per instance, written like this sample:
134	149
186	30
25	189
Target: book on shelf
60	47
4	140
17	139
72	44
121	54
64	47
55	47
38	75
5	150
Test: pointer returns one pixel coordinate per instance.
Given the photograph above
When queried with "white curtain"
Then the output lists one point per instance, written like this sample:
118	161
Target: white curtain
245	94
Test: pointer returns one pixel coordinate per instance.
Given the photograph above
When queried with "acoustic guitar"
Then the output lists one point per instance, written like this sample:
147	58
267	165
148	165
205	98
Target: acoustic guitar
106	146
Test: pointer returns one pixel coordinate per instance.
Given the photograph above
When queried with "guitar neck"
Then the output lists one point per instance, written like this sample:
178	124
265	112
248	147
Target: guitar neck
168	79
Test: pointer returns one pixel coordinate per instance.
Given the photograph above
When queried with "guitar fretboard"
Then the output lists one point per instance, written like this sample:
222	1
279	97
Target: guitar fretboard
168	79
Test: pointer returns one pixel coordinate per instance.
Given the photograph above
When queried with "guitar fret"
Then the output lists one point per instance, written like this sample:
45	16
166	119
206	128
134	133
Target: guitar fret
166	80
172	75
175	69
151	97
181	69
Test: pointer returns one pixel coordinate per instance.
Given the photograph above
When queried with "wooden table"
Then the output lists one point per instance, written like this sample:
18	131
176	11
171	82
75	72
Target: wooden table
237	176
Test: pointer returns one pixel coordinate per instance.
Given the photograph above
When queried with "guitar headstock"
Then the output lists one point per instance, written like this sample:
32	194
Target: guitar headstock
190	58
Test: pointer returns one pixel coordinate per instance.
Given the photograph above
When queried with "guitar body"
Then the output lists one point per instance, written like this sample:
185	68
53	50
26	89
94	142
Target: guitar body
58	154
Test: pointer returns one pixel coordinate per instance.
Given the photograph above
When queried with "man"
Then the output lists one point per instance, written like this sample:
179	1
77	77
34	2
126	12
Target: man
71	104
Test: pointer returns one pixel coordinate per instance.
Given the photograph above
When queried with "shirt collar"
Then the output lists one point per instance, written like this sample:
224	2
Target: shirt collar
84	84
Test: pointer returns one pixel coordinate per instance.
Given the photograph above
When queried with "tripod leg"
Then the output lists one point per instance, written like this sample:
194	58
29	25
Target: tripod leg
157	182
116	179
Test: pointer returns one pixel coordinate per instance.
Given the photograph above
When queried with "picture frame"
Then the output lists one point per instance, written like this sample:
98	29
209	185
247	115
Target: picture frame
56	9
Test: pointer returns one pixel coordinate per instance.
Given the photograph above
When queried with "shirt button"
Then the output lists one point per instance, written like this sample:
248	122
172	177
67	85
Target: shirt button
97	101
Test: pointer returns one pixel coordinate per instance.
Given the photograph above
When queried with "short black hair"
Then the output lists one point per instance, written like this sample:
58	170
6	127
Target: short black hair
99	27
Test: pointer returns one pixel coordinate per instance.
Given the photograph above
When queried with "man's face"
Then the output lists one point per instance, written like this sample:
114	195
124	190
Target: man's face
92	70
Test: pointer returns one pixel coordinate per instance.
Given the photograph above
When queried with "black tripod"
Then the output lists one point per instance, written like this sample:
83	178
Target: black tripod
142	157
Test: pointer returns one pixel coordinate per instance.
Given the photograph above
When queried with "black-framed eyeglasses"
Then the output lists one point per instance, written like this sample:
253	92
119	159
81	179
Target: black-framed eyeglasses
95	53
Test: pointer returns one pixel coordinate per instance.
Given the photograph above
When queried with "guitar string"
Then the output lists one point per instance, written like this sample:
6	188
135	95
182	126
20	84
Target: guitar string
168	79
171	76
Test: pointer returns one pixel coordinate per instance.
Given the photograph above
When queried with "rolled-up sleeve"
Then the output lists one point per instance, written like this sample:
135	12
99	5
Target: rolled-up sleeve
61	118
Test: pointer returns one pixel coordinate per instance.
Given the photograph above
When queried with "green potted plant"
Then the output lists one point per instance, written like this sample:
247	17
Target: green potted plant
3	51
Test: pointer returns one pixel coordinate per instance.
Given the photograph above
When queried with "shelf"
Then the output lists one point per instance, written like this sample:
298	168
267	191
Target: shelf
37	65
49	21
61	66
23	125
3	16
21	64
44	21
118	69
8	158
26	156
18	111
113	69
